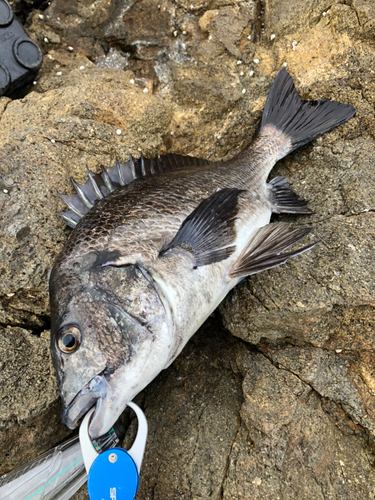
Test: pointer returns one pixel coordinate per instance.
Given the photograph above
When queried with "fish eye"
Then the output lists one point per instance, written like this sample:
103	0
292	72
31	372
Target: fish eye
70	339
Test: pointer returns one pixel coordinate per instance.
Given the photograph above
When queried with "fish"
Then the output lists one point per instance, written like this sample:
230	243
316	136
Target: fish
156	246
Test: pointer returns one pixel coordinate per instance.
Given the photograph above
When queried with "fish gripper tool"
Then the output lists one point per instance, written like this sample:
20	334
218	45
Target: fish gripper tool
113	474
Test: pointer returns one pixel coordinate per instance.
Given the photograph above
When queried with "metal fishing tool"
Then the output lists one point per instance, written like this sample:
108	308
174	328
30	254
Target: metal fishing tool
59	473
114	473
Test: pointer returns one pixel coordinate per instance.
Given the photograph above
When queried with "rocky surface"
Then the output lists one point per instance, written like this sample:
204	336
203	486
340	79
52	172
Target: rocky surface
284	407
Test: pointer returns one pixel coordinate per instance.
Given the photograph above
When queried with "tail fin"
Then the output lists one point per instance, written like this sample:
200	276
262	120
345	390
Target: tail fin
301	121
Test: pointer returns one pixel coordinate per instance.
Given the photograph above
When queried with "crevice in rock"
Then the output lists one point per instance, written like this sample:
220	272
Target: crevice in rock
257	28
369	210
349	3
36	330
227	465
321	398
23	9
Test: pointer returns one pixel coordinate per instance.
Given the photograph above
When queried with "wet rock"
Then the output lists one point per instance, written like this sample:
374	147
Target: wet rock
279	409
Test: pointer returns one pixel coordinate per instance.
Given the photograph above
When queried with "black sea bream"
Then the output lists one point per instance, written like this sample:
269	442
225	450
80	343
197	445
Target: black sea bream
157	245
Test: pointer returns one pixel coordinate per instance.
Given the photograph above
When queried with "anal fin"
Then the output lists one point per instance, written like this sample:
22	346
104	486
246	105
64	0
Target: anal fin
264	251
209	230
285	200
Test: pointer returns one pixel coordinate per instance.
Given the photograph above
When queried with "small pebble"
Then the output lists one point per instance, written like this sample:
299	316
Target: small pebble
45	39
273	36
239	62
132	81
256	61
285	64
70	48
219	136
249	37
338	351
184	32
251	73
294	44
34	83
145	90
5	191
118	131
175	33
53	141
49	56
171	132
41	16
58	73
81	67
244	91
10	294
242	73
324	13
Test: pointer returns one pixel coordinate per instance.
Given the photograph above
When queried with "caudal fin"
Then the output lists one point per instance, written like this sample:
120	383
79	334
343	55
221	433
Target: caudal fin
300	121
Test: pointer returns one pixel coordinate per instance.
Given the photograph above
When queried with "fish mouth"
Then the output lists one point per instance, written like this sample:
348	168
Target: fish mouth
91	394
97	392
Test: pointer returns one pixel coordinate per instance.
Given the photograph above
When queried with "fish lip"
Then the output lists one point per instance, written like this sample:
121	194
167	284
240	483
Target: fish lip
85	399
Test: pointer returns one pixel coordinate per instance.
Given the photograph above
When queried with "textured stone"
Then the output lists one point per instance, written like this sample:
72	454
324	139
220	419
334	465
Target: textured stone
284	408
29	401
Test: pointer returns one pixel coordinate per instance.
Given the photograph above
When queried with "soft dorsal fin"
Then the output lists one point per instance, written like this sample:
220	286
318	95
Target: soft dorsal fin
209	230
100	185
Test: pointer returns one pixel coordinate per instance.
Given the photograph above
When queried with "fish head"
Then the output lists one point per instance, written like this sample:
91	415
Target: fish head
109	338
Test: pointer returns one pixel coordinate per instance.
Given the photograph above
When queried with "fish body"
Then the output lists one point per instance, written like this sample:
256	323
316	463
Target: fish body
156	247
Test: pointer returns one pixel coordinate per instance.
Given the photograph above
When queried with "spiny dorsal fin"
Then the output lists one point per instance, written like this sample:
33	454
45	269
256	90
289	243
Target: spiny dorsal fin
264	250
121	174
209	230
286	201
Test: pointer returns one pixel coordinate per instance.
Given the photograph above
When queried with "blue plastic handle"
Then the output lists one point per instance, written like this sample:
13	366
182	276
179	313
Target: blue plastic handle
113	476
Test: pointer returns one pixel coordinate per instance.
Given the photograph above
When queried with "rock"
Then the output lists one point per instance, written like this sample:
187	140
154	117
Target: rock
279	408
292	442
30	408
46	138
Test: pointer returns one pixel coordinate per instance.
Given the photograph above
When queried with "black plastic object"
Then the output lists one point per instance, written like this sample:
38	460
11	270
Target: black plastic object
20	57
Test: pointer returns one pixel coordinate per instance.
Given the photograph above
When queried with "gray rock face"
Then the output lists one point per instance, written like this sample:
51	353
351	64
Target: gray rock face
282	406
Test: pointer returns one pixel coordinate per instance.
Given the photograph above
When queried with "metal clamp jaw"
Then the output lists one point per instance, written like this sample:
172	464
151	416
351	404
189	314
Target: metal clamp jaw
114	474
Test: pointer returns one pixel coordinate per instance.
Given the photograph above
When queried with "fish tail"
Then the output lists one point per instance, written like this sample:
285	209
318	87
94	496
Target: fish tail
298	121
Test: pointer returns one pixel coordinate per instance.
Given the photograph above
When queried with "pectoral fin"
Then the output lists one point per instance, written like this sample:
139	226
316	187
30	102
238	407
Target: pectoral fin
209	230
264	250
